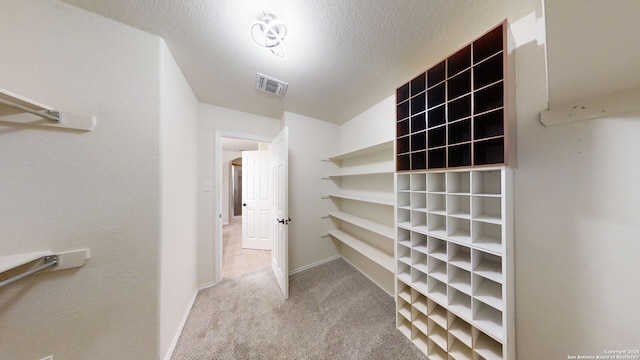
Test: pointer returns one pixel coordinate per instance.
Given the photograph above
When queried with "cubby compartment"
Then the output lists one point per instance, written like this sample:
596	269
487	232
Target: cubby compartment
486	347
438	335
460	155
437	248
489	71
459	279
459	132
437	137
404	237
419	242
488	291
436	95
436	116
404	309
437	74
418	104
459	206
402	182
488	319
403	162
459	303
458	109
418	122
420	302
436	352
488	98
487	236
437	158
402	110
487	182
459	61
403	217
418	182
418	84
438	314
437	269
402	93
404	254
487	209
436	182
461	330
403	200
404	292
459	256
437	290
404	325
419	201
489	44
418	141
459	229
402	127
419	160
459	85
458	182
420	340
458	350
487	265
420	321
419	261
402	144
403	272
437	204
419	220
420	281
488	151
437	224
488	125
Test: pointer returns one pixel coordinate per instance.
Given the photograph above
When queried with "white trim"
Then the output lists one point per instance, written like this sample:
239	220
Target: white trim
312	265
207	285
174	342
368	277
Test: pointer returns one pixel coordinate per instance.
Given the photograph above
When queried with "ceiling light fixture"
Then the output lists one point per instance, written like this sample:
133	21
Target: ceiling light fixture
269	32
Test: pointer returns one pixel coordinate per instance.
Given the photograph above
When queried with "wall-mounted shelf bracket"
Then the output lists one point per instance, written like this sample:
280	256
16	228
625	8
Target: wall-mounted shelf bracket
20	110
46	261
605	106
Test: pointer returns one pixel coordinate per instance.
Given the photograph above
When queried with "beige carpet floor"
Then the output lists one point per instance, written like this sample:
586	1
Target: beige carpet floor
333	312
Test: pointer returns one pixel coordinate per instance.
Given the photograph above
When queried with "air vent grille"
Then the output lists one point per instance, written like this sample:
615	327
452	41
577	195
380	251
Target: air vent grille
270	85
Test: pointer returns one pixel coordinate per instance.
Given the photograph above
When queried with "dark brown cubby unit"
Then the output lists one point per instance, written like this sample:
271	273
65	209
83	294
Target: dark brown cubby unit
460	112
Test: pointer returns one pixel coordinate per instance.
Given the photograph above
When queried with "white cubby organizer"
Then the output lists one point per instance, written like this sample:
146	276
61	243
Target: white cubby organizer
361	210
455	262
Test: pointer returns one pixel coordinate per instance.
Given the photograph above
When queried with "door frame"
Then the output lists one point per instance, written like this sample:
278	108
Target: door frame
217	186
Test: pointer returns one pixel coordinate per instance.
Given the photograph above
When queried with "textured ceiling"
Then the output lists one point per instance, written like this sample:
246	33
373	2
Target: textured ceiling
342	56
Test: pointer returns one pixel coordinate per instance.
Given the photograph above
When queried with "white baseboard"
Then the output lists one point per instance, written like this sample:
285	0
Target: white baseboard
307	267
367	276
172	347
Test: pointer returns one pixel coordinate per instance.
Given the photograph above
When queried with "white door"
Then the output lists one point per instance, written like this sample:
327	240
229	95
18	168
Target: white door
280	250
257	201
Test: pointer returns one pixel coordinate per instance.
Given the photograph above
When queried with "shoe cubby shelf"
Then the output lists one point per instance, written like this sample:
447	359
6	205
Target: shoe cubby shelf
361	191
454	248
460	113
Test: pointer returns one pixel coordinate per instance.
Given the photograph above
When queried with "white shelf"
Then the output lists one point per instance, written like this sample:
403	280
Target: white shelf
382	199
380	229
13	261
387	145
378	256
362	173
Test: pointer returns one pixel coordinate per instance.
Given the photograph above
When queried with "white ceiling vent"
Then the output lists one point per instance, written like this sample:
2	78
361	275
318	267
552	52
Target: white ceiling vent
270	85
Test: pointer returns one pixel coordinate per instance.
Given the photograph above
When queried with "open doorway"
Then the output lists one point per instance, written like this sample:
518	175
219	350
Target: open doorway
237	260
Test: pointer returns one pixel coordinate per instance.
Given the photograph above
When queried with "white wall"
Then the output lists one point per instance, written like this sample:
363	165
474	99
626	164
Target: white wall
373	126
64	190
310	141
179	170
213	119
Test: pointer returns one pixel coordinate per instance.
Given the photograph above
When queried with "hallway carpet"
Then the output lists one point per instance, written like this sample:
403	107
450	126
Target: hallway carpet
333	312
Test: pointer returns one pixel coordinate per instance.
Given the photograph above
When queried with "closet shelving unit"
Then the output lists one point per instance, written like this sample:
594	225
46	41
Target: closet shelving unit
362	218
454	204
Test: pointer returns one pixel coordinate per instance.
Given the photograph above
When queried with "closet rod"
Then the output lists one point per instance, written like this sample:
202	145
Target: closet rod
51	115
49	261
